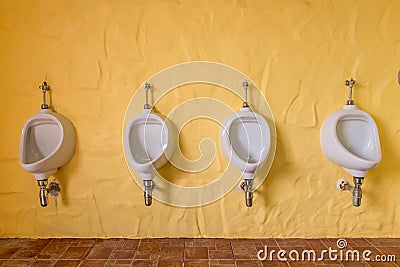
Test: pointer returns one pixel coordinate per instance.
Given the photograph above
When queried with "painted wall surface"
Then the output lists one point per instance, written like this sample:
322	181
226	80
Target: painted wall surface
95	54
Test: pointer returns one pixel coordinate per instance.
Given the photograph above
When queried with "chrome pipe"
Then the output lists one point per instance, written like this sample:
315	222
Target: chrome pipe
148	192
247	187
43	192
357	191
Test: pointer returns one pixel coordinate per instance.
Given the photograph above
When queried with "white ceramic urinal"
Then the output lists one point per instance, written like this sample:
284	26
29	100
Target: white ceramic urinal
148	144
349	138
47	143
245	141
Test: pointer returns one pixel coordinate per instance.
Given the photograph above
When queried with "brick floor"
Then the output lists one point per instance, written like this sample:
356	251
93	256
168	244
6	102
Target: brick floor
202	252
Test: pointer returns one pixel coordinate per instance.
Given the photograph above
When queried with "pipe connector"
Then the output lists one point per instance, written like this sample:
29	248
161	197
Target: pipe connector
53	189
148	192
247	187
355	190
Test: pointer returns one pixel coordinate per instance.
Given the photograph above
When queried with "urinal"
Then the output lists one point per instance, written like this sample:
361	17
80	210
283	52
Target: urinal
245	140
349	138
47	143
148	144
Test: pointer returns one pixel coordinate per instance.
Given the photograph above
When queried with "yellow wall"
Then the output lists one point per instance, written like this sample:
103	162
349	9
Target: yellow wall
95	54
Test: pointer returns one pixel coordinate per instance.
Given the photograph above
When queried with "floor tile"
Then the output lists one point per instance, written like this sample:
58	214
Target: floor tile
196	253
87	242
54	249
149	250
99	253
390	251
353	264
244	250
110	243
19	263
386	242
67	263
222	262
123	254
329	265
382	264
149	246
203	242
358	242
291	242
44	263
93	263
176	242
24	243
143	263
146	255
25	254
275	264
75	253
270	242
119	263
171	253
8	252
174	252
170	263
248	263
222	244
196	263
315	244
221	254
39	244
303	264
131	244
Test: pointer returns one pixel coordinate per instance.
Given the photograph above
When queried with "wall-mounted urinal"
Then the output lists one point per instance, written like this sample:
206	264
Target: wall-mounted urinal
245	141
47	143
349	138
148	145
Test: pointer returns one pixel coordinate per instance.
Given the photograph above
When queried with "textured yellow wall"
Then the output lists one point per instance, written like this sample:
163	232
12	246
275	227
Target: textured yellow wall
95	54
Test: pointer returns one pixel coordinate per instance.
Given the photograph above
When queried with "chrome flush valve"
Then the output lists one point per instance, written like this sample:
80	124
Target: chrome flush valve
45	88
350	84
146	89
245	85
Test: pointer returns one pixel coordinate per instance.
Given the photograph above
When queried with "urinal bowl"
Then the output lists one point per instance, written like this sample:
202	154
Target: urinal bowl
245	140
349	138
148	143
47	142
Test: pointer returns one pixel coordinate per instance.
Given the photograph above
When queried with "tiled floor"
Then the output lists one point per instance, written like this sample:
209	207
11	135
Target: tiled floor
190	252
